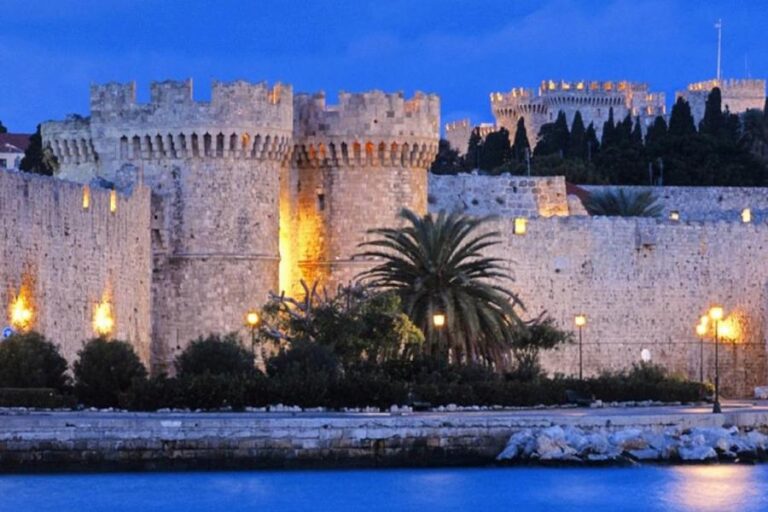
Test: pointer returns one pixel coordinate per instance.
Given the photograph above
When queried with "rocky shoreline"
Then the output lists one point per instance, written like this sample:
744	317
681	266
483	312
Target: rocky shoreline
573	444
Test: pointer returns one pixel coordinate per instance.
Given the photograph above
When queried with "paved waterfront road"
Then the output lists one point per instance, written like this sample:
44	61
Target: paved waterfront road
567	414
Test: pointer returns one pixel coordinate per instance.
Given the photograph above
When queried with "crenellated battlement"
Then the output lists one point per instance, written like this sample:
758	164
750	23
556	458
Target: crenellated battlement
733	85
237	105
367	114
373	128
460	125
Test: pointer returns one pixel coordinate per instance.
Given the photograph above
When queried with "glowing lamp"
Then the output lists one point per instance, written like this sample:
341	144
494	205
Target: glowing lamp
521	225
103	319
580	320
438	320
716	313
252	319
701	330
724	330
112	201
86	197
674	215
746	215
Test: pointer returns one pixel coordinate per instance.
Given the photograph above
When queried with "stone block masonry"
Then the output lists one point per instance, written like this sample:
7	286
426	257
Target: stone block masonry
89	441
73	258
643	284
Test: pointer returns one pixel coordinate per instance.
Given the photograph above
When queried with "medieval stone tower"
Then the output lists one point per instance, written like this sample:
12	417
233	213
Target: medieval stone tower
357	164
214	170
252	191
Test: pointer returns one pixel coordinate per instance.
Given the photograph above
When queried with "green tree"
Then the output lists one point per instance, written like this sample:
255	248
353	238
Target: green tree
577	146
37	159
215	355
529	340
623	203
521	147
437	265
474	150
609	131
354	324
105	371
447	160
554	137
496	150
592	144
3	129
681	120
713	122
31	361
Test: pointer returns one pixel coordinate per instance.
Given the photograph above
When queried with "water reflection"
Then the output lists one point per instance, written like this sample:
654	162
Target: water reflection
715	487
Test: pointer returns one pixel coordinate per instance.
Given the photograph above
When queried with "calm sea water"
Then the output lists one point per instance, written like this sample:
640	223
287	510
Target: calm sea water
688	488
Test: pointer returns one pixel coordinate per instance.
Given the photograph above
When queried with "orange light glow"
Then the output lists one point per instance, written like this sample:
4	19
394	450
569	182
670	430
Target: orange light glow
112	201
252	319
20	312
438	320
86	197
580	320
103	318
521	225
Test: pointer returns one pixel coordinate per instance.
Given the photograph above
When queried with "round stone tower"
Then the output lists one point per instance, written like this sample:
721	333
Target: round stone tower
214	170
358	164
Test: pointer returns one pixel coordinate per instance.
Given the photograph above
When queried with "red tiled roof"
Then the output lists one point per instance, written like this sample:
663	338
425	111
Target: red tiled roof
14	142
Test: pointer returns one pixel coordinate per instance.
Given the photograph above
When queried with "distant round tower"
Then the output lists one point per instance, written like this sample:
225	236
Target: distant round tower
214	169
358	164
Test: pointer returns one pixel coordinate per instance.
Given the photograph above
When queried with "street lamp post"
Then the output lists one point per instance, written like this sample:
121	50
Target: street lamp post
580	321
252	321
716	314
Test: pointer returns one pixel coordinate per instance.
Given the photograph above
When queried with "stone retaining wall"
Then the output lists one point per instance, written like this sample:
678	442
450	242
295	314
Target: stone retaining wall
86	441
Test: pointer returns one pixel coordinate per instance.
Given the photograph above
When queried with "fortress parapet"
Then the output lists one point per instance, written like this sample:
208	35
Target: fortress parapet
738	95
371	128
594	99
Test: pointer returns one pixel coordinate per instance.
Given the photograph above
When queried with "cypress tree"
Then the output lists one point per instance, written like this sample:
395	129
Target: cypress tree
681	121
37	159
3	129
577	147
474	150
521	144
561	134
496	150
591	144
609	129
636	137
713	121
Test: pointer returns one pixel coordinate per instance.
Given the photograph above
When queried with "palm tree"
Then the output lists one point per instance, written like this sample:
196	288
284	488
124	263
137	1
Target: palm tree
623	203
436	265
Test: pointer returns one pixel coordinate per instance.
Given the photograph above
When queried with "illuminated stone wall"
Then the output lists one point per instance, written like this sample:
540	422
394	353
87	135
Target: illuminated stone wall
505	195
644	283
358	164
73	258
737	95
214	171
703	203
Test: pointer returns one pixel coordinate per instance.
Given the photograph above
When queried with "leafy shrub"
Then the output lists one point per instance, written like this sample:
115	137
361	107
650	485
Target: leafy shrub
31	361
105	371
215	355
529	339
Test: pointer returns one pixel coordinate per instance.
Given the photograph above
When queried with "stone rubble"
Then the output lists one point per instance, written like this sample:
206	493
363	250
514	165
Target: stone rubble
671	444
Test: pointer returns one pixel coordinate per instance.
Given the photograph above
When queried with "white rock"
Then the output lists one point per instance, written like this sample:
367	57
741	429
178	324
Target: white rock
761	392
697	452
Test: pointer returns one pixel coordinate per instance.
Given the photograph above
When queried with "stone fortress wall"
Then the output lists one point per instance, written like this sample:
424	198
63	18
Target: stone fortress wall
738	95
302	181
64	259
214	170
593	99
357	164
643	284
703	203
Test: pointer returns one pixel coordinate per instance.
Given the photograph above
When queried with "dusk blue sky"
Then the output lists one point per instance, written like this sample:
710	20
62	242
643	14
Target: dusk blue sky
50	51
